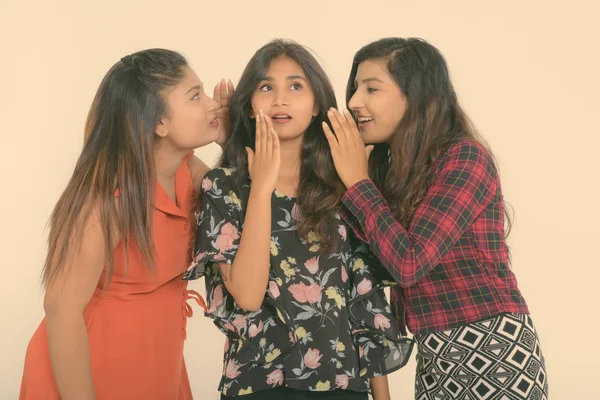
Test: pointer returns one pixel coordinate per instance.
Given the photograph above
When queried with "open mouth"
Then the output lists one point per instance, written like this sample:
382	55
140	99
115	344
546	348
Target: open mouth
281	118
363	121
214	123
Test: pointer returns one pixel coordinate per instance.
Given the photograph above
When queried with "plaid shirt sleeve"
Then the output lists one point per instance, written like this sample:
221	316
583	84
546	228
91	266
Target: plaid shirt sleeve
463	186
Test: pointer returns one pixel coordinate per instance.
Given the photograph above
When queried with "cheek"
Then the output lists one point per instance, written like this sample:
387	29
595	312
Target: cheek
258	103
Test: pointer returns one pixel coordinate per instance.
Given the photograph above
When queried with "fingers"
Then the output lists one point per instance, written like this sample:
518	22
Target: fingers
217	93
258	136
223	99
351	126
230	91
263	131
268	128
338	123
275	140
333	142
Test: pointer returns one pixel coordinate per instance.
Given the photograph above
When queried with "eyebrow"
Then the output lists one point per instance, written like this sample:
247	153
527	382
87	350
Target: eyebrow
289	78
371	80
197	87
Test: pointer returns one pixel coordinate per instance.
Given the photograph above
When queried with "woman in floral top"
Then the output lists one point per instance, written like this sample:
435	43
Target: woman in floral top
299	303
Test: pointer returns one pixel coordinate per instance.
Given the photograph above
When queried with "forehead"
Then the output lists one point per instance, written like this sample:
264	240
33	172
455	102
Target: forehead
284	66
189	80
372	69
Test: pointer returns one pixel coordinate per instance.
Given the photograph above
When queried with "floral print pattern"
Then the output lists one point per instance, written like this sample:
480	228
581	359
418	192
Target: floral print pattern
325	322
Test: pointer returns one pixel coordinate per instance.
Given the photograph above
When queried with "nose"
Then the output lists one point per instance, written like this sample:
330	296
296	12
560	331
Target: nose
355	102
213	105
280	98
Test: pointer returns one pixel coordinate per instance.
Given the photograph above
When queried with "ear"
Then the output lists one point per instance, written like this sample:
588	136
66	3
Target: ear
315	111
161	129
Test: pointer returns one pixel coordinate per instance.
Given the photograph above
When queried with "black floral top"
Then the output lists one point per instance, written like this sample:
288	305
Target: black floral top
325	322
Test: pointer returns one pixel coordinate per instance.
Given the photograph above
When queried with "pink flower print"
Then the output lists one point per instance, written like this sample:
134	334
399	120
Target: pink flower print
303	293
364	286
313	293
239	322
312	265
229	327
228	235
342	231
217	299
273	290
255	330
341	381
311	358
344	274
275	378
381	322
206	184
232	369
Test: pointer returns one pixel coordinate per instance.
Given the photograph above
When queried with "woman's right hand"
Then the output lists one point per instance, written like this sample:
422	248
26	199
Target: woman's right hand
265	160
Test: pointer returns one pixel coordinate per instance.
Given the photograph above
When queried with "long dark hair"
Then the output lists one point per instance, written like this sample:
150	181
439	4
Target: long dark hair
118	154
320	187
433	121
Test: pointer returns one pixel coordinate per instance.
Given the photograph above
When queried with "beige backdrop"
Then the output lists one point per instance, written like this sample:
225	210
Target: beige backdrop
527	73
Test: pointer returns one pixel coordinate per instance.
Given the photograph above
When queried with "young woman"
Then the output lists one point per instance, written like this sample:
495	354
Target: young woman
121	237
429	204
302	312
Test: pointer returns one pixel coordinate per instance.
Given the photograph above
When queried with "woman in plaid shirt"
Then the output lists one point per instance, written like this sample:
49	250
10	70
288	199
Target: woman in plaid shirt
425	194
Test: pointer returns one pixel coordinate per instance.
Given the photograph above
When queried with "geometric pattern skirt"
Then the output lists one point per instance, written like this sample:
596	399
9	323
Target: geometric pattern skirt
498	358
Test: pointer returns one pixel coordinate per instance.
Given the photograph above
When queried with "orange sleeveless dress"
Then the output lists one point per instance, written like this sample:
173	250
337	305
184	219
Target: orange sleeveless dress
136	324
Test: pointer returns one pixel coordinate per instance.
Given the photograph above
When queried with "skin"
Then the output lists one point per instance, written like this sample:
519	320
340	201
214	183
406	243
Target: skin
191	121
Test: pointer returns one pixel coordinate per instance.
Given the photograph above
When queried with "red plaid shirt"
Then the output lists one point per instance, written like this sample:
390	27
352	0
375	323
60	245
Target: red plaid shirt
452	263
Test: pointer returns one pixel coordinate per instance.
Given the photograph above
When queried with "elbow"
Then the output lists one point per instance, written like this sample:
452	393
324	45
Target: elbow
250	303
57	308
402	279
249	299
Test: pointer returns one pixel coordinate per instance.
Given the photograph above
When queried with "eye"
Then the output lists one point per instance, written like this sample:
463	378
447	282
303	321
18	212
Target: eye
372	90
296	86
265	88
196	96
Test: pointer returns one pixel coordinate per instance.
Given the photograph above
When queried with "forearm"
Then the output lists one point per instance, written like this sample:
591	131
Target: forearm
249	274
380	388
70	357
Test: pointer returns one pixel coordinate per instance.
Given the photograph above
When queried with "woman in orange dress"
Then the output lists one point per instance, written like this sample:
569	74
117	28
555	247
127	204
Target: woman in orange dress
120	239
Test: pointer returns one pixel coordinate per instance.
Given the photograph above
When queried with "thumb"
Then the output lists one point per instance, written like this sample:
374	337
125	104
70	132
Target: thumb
250	158
368	150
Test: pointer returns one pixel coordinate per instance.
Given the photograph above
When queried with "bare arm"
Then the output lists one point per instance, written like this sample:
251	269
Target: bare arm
247	277
380	388
66	297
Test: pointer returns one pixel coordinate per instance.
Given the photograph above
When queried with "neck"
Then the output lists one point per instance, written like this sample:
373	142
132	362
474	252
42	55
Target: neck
289	171
166	162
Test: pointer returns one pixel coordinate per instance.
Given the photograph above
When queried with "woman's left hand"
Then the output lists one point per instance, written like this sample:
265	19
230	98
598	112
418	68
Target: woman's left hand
222	95
348	150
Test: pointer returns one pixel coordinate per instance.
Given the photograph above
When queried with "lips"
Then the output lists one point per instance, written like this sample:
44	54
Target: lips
281	118
363	120
214	123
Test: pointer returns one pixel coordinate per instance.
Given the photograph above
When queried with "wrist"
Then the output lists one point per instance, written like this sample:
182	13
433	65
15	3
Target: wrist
354	180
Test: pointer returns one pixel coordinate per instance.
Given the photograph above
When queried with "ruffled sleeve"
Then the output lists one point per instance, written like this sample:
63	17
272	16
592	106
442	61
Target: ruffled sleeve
382	344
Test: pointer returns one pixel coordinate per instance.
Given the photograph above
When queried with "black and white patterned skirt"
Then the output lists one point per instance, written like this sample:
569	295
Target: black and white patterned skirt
495	359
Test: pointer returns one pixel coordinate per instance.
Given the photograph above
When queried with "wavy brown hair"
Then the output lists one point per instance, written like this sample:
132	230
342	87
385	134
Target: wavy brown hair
433	121
118	153
320	188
